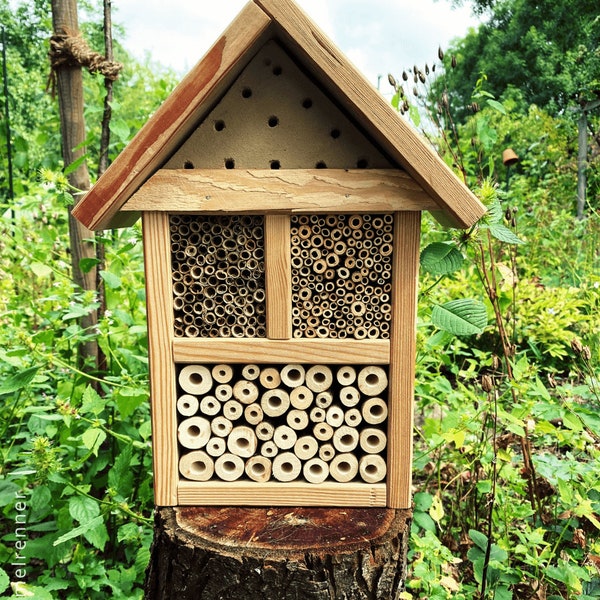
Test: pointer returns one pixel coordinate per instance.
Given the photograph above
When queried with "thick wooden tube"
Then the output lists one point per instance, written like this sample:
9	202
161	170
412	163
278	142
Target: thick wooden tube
275	402
223	392
197	466
253	413
245	391
343	467
353	417
193	433
269	378
315	470
269	449
233	410
222	373
297	419
319	378
349	396
264	431
374	411
258	468
301	397
346	375
195	379
286	467
323	431
317	415
293	375
372	468
187	405
229	467
216	446
210	406
306	447
326	452
221	427
284	437
334	416
242	441
324	399
345	439
373	440
372	381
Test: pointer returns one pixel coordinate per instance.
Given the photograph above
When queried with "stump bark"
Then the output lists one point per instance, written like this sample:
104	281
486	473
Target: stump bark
215	553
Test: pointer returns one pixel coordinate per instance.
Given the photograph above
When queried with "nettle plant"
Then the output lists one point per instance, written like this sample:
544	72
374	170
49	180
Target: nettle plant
507	449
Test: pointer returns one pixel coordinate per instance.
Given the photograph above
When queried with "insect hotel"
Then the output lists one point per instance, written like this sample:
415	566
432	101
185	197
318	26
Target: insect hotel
281	200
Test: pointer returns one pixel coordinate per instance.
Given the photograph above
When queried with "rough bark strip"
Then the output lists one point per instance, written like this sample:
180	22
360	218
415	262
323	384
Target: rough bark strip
278	554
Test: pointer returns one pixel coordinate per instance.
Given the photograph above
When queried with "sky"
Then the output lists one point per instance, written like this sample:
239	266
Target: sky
378	36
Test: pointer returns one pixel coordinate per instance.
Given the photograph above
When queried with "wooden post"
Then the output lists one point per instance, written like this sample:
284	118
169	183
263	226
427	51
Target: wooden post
278	554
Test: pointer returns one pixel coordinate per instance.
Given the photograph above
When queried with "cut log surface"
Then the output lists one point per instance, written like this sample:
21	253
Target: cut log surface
216	553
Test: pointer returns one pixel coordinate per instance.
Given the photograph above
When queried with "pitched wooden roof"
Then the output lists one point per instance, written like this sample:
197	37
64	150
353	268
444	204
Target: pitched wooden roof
201	89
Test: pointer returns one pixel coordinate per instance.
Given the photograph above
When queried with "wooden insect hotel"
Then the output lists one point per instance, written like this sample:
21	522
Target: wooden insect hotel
281	199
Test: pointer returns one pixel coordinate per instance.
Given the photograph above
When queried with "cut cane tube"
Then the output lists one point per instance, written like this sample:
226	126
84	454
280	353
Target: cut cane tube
210	406
323	431
317	415
229	467
326	452
349	396
324	399
253	414
242	441
374	411
269	449
306	447
223	392
301	397
233	410
345	439
286	467
258	468
195	379
245	391
193	433
334	416
372	468
343	467
197	466
315	470
297	419
269	378
319	378
216	446
372	381
264	431
372	440
275	402
251	372
292	375
221	426
284	437
353	417
187	405
222	373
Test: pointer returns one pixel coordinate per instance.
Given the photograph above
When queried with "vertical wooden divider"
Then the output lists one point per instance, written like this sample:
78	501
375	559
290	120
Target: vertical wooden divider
163	391
407	234
278	277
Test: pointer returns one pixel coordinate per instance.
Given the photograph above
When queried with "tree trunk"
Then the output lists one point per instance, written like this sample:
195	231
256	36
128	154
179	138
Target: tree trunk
69	80
212	553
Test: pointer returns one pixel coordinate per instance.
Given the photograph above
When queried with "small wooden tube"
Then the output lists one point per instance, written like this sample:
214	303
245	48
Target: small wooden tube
222	373
197	466
284	437
372	440
258	468
242	441
317	415
269	449
194	432
372	468
221	427
187	405
334	416
264	431
324	399
293	375
229	467
301	397
353	417
326	452
216	446
306	447
372	381
269	378
297	419
374	411
275	402
319	378
286	467
195	379
210	406
343	467
315	470
223	392
233	410
253	413
349	396
346	375
323	431
245	391
345	439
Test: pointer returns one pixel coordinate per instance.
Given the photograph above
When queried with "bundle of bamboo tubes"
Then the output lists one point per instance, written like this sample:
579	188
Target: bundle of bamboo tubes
341	275
218	275
282	422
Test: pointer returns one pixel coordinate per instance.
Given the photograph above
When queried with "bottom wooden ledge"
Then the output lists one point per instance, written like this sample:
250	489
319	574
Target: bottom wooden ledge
192	493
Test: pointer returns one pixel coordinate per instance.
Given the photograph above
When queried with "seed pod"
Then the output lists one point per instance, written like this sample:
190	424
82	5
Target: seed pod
487	383
453	62
421	77
440	53
392	80
404	75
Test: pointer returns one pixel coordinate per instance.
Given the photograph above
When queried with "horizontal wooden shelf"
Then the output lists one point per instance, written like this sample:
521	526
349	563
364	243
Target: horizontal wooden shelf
260	350
270	191
241	493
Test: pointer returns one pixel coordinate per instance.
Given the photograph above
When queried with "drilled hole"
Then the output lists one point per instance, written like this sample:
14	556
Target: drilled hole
229	163
219	125
188	164
362	163
246	93
321	165
335	133
273	121
275	164
307	103
277	70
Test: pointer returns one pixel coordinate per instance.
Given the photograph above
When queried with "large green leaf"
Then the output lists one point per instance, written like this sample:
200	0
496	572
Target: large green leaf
83	528
460	317
441	259
18	381
504	234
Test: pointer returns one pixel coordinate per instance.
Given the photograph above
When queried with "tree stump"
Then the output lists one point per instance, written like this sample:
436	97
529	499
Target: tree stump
216	553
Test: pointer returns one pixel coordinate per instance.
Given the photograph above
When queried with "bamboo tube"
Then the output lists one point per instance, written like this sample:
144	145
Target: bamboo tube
197	466
194	432
223	392
264	431
286	467
315	470
269	378
323	431
195	379
372	468
343	467
251	372
258	468
306	447
345	439
210	406
374	411
253	413
216	446
334	416
353	417
292	375
242	441
221	426
284	437
372	381
233	410
319	378
245	391
297	419
229	467
301	397
326	452
317	415
346	375
275	402
324	399
372	440
349	396
269	449
187	405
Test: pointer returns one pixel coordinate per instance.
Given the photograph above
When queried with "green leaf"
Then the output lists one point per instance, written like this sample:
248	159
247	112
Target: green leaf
504	234
18	381
92	402
120	476
120	128
8	491
128	399
83	528
83	509
441	259
97	536
479	539
41	270
460	317
4	580
87	264
497	106
92	439
74	165
111	280
415	117
436	512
